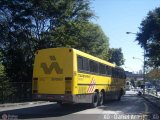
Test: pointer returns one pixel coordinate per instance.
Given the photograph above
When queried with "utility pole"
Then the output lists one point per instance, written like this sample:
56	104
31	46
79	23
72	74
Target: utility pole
144	79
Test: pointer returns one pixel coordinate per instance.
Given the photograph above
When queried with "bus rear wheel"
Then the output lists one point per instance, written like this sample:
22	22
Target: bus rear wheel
119	95
101	98
95	99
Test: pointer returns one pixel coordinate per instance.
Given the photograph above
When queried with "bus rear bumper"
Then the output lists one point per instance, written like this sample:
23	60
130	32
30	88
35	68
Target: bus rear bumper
84	98
52	97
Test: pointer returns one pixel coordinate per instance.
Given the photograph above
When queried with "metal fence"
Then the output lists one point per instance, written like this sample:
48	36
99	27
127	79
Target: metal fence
15	92
153	92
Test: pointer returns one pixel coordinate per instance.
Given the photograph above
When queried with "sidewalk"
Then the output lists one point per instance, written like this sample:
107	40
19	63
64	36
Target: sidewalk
20	104
154	100
12	106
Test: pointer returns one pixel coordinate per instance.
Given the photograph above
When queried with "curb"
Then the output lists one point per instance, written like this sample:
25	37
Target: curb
153	102
20	104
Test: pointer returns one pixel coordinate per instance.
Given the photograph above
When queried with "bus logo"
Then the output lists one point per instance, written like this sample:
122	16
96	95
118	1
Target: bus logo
91	86
54	65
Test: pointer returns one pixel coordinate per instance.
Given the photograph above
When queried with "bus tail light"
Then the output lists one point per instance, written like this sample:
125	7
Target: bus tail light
68	83
68	78
35	85
68	92
70	50
35	91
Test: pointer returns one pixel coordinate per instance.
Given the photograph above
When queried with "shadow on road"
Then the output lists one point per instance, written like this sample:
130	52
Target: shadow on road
45	111
128	105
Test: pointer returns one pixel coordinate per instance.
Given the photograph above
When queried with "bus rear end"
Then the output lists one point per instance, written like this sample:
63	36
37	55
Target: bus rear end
53	75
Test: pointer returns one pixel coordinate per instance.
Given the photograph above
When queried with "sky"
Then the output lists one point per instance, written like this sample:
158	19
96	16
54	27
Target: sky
116	17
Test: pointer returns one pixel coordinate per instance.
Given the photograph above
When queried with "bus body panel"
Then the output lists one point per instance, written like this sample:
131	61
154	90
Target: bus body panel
53	71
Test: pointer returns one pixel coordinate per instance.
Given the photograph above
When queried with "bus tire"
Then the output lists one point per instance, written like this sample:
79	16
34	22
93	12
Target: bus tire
119	95
95	99
101	98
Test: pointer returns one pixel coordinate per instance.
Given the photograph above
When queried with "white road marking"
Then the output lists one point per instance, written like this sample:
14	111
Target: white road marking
146	107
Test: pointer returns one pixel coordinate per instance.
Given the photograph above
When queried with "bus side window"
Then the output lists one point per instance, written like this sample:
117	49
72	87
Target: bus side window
117	73
96	67
120	74
102	69
93	66
112	72
85	64
80	63
108	71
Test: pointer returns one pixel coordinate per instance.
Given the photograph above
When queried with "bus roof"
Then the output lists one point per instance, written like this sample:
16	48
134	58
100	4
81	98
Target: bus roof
93	58
84	55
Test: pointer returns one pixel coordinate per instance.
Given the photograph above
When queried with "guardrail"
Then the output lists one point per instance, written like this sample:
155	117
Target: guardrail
152	92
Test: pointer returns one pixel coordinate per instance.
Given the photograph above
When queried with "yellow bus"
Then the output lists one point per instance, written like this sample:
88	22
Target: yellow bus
67	75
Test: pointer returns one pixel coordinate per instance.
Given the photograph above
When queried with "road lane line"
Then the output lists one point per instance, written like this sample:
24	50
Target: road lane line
146	107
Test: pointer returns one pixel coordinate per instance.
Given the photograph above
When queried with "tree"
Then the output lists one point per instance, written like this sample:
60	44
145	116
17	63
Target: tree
116	56
6	89
149	37
84	36
139	83
154	77
154	74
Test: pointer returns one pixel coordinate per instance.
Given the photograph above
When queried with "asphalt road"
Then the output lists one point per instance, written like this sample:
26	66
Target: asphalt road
130	107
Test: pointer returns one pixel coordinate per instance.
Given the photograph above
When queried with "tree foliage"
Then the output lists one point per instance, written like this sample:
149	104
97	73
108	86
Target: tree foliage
149	37
139	83
154	74
116	56
84	36
6	88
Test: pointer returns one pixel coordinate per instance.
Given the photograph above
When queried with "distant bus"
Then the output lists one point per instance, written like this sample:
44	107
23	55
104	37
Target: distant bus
67	75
